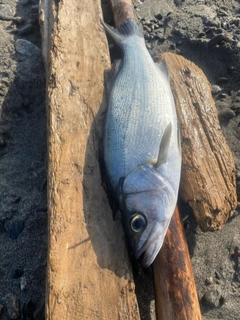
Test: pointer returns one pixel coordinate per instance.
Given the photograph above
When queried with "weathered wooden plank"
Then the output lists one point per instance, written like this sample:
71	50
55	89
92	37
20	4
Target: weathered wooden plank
208	181
88	273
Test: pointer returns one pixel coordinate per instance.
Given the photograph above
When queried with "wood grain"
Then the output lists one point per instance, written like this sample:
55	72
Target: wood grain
175	291
122	10
208	181
88	273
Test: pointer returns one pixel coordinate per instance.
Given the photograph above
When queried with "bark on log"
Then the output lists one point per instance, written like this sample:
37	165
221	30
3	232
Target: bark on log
88	273
208	181
175	291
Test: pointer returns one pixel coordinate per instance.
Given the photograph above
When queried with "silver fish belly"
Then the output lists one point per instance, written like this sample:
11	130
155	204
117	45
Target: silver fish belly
141	145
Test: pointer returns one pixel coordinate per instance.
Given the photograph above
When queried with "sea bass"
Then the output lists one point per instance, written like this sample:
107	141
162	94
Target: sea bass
141	143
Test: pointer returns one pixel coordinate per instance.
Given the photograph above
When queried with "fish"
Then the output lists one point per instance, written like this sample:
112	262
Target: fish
141	142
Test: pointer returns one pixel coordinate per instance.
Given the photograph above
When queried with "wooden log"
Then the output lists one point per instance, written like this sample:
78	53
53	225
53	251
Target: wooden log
175	291
208	181
88	273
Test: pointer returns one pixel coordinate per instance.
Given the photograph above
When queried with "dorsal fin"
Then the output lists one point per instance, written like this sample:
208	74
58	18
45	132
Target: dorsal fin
164	146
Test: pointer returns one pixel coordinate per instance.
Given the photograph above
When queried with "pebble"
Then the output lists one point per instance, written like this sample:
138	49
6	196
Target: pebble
12	305
209	280
222	13
219	31
226	115
219	38
18	20
237	99
224	24
217	275
208	300
222	80
14	228
222	300
148	23
236	108
161	38
222	95
225	8
29	28
154	21
236	22
216	89
27	48
201	34
147	29
159	16
6	12
172	46
23	283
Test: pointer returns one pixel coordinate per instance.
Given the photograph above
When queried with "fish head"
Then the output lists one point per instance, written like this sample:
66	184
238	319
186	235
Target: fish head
147	205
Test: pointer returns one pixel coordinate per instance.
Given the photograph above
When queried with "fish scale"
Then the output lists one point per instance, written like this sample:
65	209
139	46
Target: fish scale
141	146
138	112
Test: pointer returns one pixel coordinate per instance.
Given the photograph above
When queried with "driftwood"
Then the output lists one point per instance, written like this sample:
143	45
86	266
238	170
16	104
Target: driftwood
175	291
88	273
208	181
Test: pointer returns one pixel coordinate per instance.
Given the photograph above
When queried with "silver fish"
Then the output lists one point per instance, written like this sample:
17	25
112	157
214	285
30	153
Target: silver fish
142	153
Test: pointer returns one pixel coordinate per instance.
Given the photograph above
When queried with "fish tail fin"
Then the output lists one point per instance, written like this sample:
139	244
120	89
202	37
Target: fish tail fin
130	27
127	28
114	33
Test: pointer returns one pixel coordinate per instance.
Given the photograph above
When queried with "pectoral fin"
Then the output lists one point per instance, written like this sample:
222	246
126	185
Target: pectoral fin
164	146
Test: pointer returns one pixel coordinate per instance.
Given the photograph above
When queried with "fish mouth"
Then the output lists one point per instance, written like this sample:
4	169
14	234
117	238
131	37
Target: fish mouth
151	246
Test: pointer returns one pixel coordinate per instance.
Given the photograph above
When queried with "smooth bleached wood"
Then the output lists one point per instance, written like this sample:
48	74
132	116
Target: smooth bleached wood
88	273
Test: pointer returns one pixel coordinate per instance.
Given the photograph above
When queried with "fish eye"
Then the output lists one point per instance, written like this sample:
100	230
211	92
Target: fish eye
138	223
